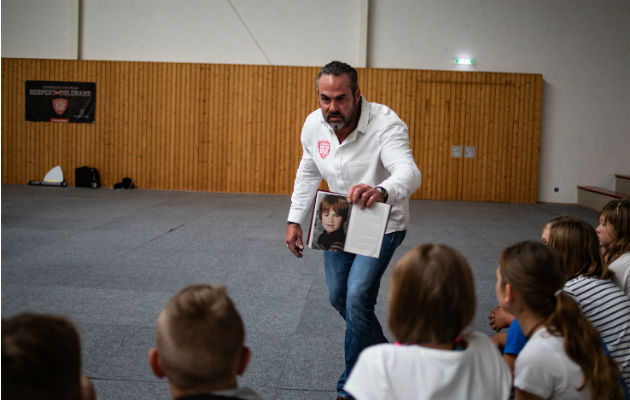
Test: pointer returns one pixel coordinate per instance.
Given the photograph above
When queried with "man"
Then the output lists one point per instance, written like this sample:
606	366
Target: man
199	346
361	149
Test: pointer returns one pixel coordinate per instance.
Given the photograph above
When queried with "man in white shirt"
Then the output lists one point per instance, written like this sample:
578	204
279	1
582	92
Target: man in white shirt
361	149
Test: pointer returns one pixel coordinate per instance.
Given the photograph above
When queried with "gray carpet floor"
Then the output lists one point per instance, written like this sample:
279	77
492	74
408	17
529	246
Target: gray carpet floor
110	259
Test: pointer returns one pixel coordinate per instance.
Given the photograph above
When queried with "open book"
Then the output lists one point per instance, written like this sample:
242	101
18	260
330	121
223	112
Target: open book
337	224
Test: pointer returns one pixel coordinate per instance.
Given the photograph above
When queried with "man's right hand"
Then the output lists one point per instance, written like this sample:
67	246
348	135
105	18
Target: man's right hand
294	239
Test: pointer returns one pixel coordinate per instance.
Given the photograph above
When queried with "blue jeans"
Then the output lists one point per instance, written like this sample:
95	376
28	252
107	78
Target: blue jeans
353	282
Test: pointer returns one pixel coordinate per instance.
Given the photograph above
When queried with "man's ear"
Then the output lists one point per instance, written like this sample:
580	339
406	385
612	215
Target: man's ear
357	96
243	361
155	363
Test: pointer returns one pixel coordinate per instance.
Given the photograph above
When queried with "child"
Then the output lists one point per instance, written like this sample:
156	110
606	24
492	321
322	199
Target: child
563	357
590	283
333	212
199	345
513	341
614	238
41	359
432	301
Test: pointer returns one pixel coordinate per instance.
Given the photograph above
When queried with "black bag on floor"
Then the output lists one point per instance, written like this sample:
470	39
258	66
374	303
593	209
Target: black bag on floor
126	183
87	177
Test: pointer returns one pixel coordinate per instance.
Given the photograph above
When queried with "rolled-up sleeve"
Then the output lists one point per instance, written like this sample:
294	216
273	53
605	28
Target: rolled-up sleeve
398	160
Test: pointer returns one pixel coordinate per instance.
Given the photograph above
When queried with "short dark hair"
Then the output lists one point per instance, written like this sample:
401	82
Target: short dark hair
41	358
338	68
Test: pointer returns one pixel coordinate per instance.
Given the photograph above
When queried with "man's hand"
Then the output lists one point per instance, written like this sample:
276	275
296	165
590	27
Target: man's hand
294	239
365	195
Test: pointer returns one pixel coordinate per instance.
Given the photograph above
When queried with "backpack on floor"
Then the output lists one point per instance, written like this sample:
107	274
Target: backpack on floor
87	177
126	183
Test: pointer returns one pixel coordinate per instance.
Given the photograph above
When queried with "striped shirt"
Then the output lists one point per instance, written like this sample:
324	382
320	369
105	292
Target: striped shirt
608	308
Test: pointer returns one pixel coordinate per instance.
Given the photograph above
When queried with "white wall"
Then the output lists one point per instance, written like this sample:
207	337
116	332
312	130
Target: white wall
582	48
40	28
277	32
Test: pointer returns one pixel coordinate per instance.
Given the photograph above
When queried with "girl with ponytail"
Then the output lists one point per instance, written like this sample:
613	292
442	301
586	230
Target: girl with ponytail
563	358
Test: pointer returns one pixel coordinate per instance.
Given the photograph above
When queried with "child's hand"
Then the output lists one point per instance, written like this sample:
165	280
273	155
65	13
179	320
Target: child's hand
499	318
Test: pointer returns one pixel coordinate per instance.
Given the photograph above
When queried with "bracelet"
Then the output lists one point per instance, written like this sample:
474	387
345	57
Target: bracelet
295	223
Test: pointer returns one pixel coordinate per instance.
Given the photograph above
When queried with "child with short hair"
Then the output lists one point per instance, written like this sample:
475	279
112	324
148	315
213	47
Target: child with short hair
199	345
333	213
613	232
563	357
432	301
41	359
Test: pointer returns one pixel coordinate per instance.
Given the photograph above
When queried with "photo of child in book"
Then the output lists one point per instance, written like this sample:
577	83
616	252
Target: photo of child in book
333	214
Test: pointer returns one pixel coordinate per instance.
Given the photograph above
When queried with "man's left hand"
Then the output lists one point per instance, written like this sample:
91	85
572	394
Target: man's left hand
365	195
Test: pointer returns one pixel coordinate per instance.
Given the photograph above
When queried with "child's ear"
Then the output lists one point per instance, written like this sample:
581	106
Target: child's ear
243	361
155	363
508	294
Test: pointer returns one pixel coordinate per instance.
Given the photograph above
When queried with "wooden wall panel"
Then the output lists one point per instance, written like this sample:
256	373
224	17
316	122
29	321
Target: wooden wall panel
235	128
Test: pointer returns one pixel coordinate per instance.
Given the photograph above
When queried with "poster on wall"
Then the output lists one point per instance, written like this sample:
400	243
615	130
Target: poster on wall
60	101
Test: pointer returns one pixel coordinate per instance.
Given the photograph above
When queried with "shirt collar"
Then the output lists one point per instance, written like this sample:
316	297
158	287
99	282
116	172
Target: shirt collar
362	126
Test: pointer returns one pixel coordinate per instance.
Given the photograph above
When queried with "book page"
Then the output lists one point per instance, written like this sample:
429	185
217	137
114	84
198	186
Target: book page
329	222
366	229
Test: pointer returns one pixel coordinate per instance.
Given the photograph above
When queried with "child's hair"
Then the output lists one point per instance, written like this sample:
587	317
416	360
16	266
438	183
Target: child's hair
199	337
617	214
535	271
577	242
432	295
337	203
41	358
552	221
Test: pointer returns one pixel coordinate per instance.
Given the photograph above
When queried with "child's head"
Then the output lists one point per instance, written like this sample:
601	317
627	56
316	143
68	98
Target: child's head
41	358
333	211
577	242
613	230
530	279
432	295
200	340
546	230
533	269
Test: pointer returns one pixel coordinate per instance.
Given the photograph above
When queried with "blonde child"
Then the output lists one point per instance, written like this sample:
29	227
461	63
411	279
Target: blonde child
199	345
613	232
432	301
563	357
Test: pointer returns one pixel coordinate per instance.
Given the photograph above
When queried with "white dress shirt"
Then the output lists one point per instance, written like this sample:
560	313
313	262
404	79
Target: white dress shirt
376	153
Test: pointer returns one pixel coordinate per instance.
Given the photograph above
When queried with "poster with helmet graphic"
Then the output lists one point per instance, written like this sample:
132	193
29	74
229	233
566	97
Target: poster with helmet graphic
60	101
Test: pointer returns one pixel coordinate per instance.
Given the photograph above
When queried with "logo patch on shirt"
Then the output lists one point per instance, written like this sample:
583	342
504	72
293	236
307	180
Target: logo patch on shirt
324	148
